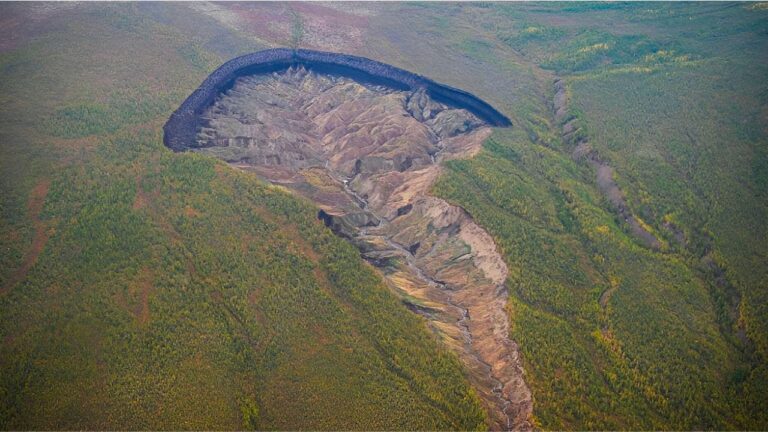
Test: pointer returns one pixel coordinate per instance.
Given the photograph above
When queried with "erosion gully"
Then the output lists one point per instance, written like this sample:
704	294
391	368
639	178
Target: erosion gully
368	156
504	413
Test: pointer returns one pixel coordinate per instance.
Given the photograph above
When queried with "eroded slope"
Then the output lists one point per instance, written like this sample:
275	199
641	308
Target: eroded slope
367	156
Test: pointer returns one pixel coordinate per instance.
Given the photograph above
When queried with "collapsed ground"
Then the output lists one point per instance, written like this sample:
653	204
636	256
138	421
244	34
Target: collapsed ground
367	156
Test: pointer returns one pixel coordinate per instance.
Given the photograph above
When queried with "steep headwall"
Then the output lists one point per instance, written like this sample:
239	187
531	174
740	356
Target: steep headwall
181	128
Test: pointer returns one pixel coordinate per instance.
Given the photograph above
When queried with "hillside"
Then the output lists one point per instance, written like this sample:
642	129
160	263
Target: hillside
367	156
632	215
627	206
147	290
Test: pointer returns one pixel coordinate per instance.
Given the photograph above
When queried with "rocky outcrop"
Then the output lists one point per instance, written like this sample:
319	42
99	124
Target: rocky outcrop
367	154
180	130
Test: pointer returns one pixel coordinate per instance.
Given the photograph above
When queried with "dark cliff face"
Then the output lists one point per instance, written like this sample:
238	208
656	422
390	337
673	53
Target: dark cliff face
180	130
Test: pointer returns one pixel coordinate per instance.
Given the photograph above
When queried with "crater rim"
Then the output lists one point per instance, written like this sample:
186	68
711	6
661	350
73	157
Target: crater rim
180	130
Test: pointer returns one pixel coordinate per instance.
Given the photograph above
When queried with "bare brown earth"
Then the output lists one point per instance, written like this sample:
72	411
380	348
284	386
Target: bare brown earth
367	156
34	207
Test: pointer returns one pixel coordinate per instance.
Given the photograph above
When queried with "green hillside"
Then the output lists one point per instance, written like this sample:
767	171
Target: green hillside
147	290
618	336
141	289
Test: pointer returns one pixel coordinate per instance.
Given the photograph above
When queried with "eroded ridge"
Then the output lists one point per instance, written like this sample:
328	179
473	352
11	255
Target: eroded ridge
367	155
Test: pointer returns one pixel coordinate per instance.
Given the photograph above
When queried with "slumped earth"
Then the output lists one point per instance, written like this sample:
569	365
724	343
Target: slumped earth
367	156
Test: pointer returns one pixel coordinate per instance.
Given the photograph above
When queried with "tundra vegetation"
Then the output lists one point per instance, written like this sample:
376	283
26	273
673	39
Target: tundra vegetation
616	334
171	291
143	289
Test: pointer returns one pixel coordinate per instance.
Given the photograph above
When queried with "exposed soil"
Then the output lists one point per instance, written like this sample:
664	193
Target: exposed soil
181	128
367	156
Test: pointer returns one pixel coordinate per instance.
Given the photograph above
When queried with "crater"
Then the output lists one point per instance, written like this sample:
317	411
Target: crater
364	142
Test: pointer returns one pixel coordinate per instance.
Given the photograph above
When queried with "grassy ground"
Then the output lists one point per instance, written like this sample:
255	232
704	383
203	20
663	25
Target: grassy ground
615	335
138	266
147	290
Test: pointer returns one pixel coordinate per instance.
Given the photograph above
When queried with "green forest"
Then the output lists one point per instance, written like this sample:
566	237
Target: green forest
616	335
171	291
142	289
